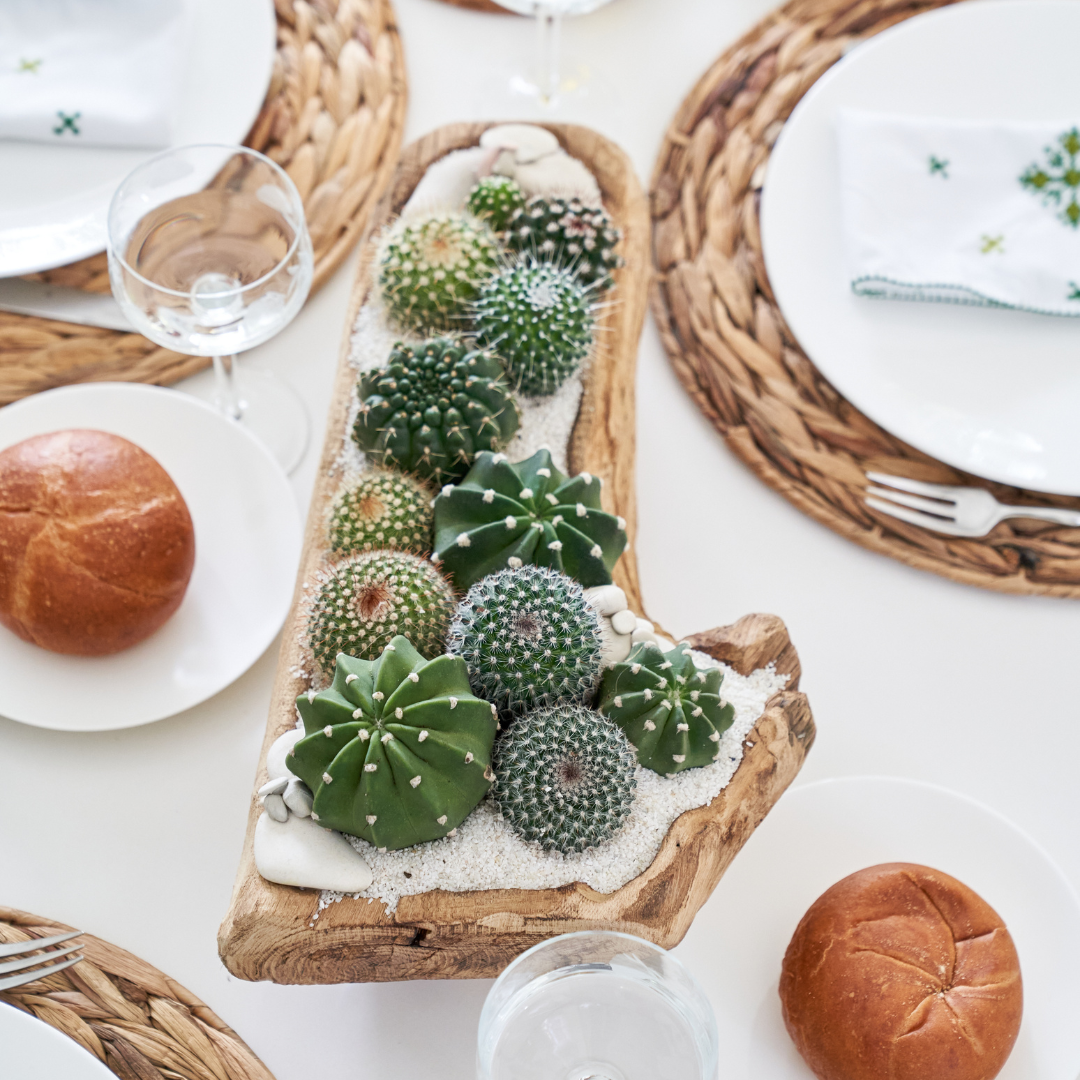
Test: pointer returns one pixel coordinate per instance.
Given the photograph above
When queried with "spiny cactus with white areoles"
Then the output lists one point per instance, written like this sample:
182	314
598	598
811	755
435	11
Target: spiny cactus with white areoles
382	509
495	200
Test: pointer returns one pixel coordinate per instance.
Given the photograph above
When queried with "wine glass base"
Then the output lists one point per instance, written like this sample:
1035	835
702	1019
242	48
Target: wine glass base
273	411
580	93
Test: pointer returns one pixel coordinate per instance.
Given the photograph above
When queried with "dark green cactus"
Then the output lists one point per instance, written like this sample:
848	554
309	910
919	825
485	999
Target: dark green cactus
568	233
564	778
433	408
495	200
431	268
398	750
365	601
669	709
539	320
382	510
529	638
506	515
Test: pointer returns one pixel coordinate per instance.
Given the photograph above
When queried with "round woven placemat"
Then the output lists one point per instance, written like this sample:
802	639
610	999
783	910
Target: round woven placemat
727	339
129	1015
333	118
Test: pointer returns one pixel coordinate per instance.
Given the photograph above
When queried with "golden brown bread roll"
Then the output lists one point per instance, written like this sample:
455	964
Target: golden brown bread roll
96	542
900	972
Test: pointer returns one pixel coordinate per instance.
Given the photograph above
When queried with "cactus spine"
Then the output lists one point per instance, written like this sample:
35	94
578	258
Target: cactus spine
382	510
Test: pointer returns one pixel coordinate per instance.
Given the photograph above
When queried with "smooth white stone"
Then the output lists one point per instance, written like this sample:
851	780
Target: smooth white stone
529	142
298	798
275	757
559	176
646	632
276	808
615	648
274	787
624	622
447	183
300	852
607	599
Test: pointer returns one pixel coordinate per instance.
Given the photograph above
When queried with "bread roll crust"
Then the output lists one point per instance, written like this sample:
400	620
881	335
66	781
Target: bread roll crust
900	972
96	542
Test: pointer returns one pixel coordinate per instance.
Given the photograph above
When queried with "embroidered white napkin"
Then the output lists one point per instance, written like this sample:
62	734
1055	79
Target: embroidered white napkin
91	72
963	212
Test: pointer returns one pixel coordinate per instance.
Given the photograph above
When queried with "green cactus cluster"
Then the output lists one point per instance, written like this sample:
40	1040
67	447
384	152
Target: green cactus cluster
495	200
382	510
568	233
670	710
433	407
431	268
398	750
539	320
509	515
364	602
529	638
564	778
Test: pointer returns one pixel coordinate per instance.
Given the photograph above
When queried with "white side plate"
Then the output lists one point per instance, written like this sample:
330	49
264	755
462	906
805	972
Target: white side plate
32	1050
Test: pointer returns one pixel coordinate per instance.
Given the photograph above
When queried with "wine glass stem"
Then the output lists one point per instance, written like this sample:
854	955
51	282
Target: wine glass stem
228	395
549	27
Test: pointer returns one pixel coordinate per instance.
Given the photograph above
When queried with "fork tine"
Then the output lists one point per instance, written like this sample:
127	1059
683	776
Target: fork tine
32	976
23	962
916	517
916	487
36	943
944	510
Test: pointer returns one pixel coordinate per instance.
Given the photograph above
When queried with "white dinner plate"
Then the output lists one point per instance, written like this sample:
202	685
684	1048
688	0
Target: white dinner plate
32	1050
247	549
53	199
993	392
820	833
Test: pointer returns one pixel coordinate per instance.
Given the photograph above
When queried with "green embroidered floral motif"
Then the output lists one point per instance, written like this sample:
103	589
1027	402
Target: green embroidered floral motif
992	243
67	123
29	65
939	167
1060	178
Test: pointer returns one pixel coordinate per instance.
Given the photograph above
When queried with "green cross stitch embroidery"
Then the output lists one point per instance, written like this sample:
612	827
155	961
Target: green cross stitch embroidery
1074	291
992	243
67	123
1059	178
939	167
29	65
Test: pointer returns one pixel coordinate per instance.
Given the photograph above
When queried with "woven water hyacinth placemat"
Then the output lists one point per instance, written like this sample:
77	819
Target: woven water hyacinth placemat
333	118
728	341
139	1022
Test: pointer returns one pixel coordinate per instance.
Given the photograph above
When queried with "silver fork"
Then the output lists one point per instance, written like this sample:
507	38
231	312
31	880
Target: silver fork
956	511
23	962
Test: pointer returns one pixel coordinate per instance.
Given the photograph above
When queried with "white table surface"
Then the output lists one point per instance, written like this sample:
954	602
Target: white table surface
135	835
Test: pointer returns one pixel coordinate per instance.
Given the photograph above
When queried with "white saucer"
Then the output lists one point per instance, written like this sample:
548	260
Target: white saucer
820	833
247	549
32	1050
992	392
53	199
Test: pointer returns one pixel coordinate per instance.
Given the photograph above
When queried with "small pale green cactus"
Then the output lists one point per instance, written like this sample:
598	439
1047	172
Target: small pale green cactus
365	601
669	709
564	778
505	515
495	200
539	320
433	408
529	638
382	510
398	750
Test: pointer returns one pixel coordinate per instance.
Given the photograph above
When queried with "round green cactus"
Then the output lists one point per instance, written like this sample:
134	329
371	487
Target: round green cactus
568	233
495	200
433	407
564	778
507	515
539	320
431	268
397	750
669	709
382	510
529	638
367	600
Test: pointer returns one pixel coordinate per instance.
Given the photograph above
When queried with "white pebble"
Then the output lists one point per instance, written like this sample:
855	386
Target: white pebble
276	808
624	622
607	599
528	142
298	798
301	853
275	786
276	766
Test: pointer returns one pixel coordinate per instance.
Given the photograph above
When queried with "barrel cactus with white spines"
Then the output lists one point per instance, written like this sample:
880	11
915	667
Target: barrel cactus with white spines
382	509
431	268
564	778
433	407
539	320
504	515
529	638
495	200
398	750
568	233
670	709
364	602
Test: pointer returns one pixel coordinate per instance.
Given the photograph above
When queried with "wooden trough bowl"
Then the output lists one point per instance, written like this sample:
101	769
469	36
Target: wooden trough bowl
270	931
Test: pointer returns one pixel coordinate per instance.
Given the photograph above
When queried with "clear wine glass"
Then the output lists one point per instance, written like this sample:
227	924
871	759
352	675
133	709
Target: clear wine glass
596	1005
209	255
